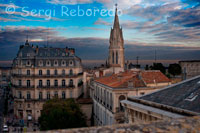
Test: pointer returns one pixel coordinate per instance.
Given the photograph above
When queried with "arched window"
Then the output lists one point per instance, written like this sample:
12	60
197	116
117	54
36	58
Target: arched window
113	57
56	94
116	57
122	97
63	72
55	72
48	95
40	72
48	63
71	83
48	83
63	63
28	72
63	82
55	82
63	95
28	95
48	72
70	72
28	83
40	95
40	83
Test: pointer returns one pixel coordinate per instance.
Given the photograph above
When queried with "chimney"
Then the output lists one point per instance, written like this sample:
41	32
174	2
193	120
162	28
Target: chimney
37	49
72	51
66	50
130	84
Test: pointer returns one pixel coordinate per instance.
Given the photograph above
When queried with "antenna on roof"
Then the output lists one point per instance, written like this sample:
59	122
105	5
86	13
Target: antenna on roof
27	35
137	60
27	38
155	56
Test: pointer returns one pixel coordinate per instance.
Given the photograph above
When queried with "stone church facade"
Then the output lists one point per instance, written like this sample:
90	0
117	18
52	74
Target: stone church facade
116	49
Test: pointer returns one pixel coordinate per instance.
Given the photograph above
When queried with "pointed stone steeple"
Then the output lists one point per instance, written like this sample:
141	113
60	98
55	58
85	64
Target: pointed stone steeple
116	22
116	48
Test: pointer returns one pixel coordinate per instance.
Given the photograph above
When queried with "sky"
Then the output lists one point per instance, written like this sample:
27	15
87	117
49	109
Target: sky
170	27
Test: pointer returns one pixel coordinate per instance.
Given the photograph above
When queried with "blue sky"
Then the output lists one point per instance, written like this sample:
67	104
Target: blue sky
172	27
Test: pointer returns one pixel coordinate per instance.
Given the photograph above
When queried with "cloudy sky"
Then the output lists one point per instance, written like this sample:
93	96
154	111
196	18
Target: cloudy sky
171	27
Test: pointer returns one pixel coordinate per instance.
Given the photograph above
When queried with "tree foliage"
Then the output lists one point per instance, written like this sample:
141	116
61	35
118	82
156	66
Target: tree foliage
158	66
174	69
61	114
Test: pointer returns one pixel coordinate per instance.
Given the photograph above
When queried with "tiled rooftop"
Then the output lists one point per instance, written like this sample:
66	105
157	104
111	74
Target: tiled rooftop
138	78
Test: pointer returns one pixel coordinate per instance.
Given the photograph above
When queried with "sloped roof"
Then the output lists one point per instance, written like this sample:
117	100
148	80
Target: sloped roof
150	77
138	78
184	95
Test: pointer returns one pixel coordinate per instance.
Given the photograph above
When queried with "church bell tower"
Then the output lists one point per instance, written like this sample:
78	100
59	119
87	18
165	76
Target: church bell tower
116	48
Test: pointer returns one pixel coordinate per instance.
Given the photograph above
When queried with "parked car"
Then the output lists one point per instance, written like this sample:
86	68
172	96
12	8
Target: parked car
5	128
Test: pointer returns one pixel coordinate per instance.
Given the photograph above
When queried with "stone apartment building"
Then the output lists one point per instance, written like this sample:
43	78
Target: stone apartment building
190	68
5	75
41	73
172	102
108	91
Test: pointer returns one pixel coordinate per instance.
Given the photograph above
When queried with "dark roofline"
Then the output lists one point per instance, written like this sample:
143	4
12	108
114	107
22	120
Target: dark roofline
163	107
170	86
6	68
189	61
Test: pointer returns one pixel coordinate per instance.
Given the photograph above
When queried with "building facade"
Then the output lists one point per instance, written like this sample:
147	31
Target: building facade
107	92
5	76
41	73
190	68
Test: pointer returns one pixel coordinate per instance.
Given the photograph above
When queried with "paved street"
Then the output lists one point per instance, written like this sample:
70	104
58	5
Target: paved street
1	108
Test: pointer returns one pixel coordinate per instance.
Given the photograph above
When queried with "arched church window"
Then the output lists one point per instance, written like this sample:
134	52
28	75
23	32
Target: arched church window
116	57
113	59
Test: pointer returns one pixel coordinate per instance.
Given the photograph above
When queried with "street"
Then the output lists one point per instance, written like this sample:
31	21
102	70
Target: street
1	108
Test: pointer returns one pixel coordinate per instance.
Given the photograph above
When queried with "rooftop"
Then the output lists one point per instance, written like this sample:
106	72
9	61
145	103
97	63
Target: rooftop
138	79
184	95
189	61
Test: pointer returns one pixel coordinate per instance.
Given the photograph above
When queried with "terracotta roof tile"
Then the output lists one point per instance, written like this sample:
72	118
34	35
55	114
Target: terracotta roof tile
138	79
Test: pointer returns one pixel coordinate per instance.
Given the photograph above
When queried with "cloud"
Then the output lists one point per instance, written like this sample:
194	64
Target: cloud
100	21
68	2
87	48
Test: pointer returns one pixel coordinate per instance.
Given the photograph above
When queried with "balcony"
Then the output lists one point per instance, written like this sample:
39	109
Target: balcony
23	87
54	87
47	76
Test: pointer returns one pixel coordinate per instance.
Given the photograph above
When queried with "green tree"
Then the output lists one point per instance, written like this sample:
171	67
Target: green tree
61	114
174	69
147	67
158	66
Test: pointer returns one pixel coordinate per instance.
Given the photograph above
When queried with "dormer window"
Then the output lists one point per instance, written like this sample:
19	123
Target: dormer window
48	63
70	63
40	63
28	63
63	63
55	63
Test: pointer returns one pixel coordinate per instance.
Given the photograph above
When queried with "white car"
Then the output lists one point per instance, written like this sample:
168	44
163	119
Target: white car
5	128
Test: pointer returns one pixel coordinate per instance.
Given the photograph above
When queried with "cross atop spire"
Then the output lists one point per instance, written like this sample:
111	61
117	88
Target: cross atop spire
116	22
116	5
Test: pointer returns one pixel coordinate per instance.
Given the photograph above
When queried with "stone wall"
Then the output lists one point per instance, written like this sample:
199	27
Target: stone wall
183	125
